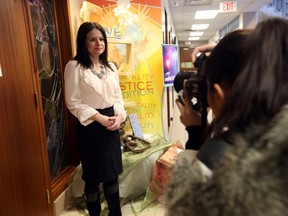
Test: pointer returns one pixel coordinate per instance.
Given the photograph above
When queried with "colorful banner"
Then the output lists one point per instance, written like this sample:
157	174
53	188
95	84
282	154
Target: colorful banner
134	31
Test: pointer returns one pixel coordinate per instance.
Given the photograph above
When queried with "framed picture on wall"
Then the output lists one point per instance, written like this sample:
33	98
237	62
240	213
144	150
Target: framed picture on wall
170	63
120	53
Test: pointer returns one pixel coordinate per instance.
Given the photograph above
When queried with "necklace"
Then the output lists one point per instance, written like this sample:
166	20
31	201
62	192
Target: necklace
101	74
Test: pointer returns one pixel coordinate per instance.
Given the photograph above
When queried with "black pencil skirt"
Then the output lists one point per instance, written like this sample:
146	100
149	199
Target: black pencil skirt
99	150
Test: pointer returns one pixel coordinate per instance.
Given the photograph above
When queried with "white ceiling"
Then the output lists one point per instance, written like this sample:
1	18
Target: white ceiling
183	16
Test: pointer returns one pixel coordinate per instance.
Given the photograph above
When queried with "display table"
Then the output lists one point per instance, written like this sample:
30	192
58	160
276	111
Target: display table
135	179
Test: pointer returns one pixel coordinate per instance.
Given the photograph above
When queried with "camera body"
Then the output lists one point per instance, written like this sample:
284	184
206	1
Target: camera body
196	86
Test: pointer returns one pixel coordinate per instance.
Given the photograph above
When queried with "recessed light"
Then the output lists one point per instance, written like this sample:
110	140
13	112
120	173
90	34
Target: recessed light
206	14
193	34
193	38
199	26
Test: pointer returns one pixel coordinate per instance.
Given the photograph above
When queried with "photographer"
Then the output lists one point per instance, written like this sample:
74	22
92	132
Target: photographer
252	177
207	49
220	70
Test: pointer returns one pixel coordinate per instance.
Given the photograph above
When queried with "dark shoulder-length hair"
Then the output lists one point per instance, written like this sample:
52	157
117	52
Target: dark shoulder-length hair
223	64
260	89
82	55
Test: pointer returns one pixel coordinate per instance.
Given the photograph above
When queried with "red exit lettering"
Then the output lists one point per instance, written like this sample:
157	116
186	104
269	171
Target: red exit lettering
228	6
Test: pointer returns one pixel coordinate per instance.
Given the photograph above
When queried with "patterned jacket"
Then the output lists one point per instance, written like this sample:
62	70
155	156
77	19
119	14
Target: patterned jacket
251	180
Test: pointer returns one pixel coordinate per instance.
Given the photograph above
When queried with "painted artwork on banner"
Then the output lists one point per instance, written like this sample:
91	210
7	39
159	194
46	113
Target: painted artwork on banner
170	62
134	33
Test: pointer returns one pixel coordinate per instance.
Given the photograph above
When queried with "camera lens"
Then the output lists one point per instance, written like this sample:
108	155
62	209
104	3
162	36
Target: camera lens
179	79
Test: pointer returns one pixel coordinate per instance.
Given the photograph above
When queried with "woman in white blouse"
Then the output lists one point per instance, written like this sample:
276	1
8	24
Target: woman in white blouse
94	97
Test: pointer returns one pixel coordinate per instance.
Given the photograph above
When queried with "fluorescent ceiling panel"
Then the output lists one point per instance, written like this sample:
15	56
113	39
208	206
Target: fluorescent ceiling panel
193	38
206	14
193	34
197	2
199	26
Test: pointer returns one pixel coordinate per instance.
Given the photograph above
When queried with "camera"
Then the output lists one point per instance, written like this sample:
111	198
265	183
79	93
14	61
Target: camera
196	86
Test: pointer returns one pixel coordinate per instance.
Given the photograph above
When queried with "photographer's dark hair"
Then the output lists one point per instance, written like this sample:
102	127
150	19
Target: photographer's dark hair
82	55
260	90
223	66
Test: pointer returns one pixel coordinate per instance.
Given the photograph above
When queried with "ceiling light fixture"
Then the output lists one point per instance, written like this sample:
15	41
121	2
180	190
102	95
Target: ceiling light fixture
193	38
193	34
199	26
206	14
197	2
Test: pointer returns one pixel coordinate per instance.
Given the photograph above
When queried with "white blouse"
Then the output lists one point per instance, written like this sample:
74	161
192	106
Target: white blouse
85	92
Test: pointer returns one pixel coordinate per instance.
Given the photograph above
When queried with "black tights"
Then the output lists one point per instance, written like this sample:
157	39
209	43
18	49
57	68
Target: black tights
111	192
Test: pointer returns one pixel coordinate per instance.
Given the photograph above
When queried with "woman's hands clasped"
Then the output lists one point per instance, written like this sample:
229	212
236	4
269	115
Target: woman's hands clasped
115	122
111	123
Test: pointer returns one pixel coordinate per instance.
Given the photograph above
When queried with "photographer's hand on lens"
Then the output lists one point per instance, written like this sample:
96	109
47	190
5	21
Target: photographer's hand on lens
188	116
207	48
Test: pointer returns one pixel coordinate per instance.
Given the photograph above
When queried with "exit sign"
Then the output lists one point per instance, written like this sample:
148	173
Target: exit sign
230	6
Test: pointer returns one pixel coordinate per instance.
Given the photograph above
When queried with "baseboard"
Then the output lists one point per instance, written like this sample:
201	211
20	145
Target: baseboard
61	202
